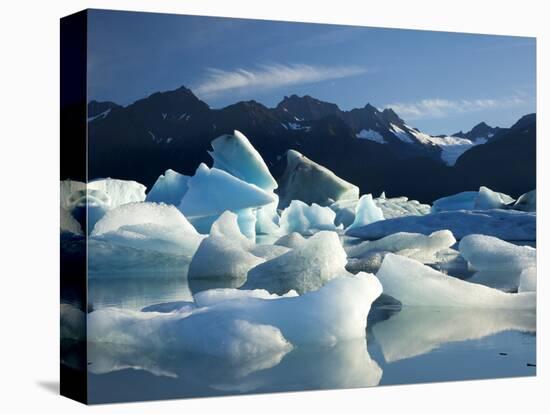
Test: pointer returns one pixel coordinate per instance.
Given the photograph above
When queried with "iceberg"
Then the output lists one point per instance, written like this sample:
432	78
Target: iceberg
305	268
68	223
492	254
148	226
245	325
415	331
213	191
301	218
415	284
310	182
528	280
504	224
224	254
414	245
366	212
235	154
488	199
169	188
119	192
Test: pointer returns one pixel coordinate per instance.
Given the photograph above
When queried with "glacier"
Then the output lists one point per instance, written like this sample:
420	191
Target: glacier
309	182
305	268
415	284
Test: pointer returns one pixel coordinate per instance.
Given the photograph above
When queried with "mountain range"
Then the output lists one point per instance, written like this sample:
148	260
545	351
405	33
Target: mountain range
375	149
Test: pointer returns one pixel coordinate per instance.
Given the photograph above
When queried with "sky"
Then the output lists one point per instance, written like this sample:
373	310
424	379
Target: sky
439	82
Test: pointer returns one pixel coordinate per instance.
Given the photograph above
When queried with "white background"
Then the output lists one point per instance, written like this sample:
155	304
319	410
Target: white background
29	163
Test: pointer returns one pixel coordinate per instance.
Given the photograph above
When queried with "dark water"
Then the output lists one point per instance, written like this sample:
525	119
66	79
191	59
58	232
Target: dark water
401	346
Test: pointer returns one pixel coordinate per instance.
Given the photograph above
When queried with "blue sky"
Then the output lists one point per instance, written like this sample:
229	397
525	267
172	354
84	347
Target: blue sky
439	82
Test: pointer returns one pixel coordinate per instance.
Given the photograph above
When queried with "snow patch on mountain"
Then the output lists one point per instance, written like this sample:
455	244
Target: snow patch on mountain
371	135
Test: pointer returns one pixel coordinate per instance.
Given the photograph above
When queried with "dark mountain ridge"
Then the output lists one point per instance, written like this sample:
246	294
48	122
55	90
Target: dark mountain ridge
174	129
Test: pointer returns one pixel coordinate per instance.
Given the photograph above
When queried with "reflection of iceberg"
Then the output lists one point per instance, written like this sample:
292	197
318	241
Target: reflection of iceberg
417	330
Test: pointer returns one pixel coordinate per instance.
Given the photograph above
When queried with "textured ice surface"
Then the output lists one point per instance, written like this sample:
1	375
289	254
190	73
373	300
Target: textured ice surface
310	182
336	312
302	218
305	268
504	224
492	254
236	155
487	199
291	240
213	191
148	226
414	245
418	330
528	280
225	253
366	212
267	218
526	202
70	191
68	223
119	192
169	188
413	283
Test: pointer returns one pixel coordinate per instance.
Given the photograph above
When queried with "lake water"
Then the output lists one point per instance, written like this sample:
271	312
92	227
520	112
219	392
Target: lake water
401	346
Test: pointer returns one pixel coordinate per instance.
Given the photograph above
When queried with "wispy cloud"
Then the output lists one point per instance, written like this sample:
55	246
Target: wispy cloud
270	77
440	108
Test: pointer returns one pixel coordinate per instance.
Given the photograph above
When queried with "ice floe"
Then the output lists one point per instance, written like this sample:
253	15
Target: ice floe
310	182
415	284
366	212
488	199
305	268
483	199
504	224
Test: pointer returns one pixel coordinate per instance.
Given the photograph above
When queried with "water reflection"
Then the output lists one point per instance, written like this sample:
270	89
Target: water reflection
418	330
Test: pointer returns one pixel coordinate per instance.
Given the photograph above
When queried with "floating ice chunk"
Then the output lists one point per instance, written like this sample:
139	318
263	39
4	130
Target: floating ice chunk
268	251
169	188
336	312
461	201
69	224
236	155
504	224
366	212
526	202
528	280
305	268
487	199
401	206
224	253
148	226
214	296
418	330
310	182
291	240
414	245
415	284
304	219
267	219
492	254
213	191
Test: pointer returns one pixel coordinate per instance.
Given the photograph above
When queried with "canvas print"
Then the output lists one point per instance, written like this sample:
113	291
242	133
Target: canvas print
253	206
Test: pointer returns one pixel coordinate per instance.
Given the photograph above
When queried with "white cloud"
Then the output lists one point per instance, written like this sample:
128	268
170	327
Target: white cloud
270	77
440	108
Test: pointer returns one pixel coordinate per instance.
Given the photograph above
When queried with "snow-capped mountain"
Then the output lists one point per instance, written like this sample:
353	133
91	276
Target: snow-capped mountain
174	129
